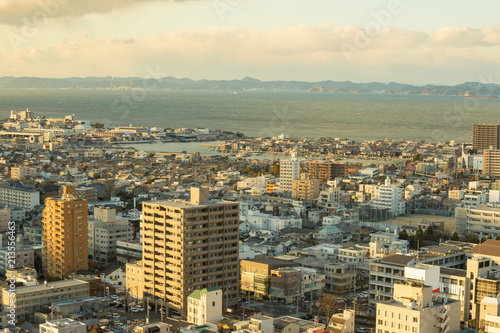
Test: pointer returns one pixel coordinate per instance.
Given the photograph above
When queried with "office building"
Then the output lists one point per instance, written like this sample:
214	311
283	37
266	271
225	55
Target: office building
486	136
65	238
188	246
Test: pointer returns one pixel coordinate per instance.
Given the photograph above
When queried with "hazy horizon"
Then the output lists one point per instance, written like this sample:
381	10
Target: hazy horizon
425	42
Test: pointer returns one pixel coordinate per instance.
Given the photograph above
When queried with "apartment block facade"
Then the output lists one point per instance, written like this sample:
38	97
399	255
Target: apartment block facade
65	238
188	246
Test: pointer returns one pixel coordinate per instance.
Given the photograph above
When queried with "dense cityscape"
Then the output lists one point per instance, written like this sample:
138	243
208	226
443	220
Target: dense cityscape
261	234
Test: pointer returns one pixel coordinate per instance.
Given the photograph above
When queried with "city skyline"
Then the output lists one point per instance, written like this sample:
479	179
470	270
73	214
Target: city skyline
367	41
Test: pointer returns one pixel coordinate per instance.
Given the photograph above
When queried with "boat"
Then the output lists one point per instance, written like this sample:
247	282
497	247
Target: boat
470	95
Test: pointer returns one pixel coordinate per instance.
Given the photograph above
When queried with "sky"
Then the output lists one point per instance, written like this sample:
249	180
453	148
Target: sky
409	41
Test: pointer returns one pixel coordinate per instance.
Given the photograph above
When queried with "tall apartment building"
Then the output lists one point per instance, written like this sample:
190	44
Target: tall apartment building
415	309
485	136
491	163
289	170
65	239
15	197
390	197
188	246
325	171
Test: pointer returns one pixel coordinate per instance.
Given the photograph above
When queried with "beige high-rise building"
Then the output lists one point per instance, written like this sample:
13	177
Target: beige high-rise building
485	136
415	309
65	238
305	189
491	163
188	246
325	171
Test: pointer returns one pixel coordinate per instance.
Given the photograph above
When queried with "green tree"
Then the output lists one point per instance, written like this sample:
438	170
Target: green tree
455	237
403	234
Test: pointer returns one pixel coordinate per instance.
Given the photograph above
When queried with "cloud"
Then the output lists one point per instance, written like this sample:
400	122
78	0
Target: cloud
16	12
466	37
307	52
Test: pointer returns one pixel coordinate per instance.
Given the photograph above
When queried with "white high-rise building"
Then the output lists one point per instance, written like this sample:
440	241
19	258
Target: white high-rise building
289	170
390	197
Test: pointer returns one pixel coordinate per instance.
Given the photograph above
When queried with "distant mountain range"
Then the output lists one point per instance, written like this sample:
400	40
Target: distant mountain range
247	83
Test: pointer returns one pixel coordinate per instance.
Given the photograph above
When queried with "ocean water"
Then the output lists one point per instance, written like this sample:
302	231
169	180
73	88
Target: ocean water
258	113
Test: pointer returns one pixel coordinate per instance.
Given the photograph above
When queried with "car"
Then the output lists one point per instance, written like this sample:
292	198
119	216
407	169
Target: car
115	315
140	308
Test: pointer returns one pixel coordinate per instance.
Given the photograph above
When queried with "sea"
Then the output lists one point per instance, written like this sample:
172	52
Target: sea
357	116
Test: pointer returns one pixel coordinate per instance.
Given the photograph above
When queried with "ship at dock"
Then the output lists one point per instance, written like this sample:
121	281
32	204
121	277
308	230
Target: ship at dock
479	96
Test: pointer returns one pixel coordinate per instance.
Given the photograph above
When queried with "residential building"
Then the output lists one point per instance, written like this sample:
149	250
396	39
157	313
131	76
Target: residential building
104	232
491	163
64	325
476	198
383	243
483	220
262	324
489	315
305	189
16	197
128	251
23	172
65	238
289	170
342	322
188	246
205	306
390	197
326	170
29	299
339	277
159	327
384	273
285	285
134	280
415	309
330	198
255	275
25	256
486	136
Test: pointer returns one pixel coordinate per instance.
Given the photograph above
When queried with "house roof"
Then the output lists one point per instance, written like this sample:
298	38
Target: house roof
490	247
397	259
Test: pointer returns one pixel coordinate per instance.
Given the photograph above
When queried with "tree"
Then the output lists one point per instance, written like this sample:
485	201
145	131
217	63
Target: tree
328	304
403	234
455	237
